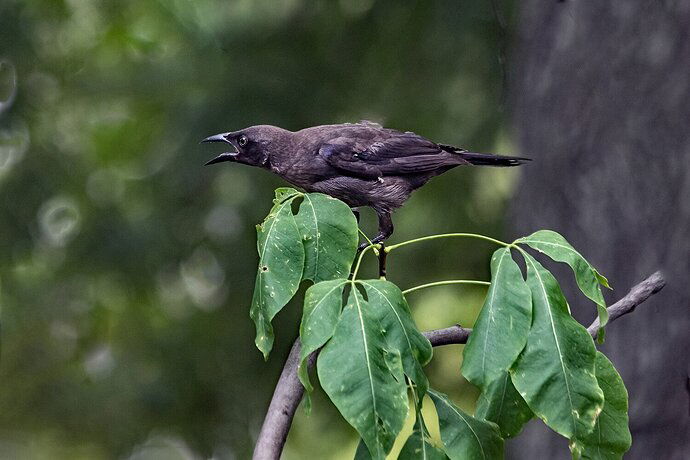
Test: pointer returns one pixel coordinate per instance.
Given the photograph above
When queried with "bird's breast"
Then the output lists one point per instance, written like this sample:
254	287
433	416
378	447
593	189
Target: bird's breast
304	170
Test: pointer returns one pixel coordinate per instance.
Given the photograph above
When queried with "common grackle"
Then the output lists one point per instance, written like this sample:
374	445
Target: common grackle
362	164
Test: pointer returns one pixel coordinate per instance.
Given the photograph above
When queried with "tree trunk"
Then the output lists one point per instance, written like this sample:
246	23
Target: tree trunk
601	101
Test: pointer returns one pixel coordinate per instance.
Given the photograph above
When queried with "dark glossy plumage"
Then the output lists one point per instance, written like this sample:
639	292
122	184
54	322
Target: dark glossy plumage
362	164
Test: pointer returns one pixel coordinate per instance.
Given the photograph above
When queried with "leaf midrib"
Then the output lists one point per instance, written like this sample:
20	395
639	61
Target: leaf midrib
574	251
316	224
318	304
407	338
263	252
503	395
558	345
491	309
466	423
567	248
366	354
421	432
268	234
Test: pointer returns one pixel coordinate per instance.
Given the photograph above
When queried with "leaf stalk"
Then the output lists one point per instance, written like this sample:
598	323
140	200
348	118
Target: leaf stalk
445	282
448	235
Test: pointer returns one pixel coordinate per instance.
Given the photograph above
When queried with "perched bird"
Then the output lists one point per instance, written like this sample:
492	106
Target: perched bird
362	164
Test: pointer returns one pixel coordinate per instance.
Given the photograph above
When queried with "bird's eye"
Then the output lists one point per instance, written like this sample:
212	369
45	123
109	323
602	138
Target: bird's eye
242	141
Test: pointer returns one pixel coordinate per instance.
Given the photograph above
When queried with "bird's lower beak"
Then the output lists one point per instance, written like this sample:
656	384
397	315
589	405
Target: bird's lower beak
222	157
226	156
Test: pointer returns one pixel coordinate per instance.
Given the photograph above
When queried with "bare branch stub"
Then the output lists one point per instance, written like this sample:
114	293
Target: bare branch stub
289	390
638	294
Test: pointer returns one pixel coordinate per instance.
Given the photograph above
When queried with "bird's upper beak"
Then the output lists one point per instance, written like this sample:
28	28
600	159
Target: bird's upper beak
226	156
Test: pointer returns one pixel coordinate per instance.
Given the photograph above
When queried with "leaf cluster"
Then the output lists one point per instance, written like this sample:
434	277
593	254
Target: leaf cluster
527	354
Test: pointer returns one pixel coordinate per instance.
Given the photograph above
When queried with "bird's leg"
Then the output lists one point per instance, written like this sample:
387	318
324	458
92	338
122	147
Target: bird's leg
385	229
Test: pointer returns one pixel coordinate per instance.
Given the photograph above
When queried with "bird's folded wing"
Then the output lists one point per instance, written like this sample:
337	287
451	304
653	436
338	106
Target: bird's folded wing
403	154
346	158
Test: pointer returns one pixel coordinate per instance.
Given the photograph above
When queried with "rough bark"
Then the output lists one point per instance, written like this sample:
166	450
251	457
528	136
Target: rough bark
600	99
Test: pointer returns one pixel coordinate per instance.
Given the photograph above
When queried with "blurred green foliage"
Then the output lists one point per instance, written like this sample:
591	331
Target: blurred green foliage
127	267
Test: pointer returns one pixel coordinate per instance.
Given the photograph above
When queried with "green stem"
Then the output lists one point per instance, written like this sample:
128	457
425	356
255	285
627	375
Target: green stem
519	249
447	235
359	260
442	283
364	235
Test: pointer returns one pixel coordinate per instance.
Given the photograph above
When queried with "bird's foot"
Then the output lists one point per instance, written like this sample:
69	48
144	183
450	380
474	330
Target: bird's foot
364	245
374	241
380	250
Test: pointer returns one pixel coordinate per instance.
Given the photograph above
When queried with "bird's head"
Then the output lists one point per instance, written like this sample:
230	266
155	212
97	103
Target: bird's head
253	146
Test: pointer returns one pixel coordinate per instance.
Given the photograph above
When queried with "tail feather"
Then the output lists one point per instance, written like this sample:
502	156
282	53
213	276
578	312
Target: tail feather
485	159
489	159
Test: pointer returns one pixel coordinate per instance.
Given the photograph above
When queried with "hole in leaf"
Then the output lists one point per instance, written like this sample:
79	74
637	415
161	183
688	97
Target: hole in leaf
295	204
362	291
346	294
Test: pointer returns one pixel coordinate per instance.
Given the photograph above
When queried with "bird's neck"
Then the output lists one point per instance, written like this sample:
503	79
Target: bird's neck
281	156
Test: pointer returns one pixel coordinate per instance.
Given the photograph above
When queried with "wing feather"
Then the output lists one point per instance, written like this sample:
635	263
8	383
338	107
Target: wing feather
391	153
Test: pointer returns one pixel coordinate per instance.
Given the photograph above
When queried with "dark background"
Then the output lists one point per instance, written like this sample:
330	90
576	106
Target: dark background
126	267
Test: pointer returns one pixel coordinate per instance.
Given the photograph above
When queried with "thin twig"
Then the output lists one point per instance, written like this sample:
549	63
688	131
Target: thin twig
289	390
638	294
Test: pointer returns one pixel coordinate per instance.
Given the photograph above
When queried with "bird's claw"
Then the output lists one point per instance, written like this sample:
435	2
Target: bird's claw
365	245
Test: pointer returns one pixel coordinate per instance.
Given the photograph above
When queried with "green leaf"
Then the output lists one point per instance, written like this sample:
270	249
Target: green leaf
555	372
501	403
500	332
362	452
322	304
281	261
329	234
610	438
464	436
283	193
363	376
588	278
400	330
418	447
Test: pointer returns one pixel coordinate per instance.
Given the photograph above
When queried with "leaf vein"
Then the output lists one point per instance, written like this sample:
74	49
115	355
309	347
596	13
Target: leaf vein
491	310
366	354
316	224
468	426
558	345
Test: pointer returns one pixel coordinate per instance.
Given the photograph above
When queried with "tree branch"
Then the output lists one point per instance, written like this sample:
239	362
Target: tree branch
286	398
289	390
638	294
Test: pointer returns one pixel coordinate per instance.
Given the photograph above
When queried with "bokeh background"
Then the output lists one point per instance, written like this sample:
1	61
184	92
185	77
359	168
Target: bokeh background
126	267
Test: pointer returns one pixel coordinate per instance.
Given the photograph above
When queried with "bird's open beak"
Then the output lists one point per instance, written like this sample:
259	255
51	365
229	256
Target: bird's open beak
226	156
216	138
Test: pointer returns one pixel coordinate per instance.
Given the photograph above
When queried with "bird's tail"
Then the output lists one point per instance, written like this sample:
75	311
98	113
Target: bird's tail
484	159
489	159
